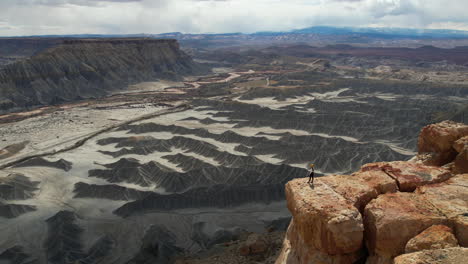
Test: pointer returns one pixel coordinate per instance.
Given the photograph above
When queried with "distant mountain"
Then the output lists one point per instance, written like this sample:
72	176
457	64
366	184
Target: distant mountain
88	68
383	32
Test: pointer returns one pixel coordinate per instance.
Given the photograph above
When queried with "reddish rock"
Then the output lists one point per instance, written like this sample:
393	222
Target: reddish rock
435	237
451	198
296	251
461	144
378	180
461	161
323	219
327	226
353	189
375	259
393	219
439	138
361	187
456	255
410	175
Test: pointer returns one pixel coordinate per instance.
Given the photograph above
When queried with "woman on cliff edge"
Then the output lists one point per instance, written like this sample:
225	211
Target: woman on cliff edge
311	174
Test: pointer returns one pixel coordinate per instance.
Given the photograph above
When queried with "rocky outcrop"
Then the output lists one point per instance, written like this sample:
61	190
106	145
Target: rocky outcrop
41	162
392	220
451	199
88	68
461	161
437	142
384	210
439	256
408	175
435	237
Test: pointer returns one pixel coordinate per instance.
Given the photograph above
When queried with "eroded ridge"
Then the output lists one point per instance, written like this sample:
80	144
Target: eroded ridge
386	211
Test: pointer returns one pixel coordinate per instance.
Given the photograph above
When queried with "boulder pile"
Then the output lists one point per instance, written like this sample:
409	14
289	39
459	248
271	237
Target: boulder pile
387	212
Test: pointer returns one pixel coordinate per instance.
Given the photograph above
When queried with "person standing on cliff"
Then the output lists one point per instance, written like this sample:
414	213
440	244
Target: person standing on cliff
311	174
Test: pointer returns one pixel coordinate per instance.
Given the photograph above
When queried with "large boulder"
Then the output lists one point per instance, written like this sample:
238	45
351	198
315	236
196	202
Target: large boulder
440	256
377	179
361	187
324	219
393	219
296	251
435	237
461	161
410	175
460	144
438	140
451	198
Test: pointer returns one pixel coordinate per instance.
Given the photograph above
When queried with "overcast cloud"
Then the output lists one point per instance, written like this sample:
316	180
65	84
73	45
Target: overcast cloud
39	17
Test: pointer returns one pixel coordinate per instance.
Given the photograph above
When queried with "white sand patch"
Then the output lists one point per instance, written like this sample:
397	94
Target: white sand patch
272	103
244	131
395	147
383	96
222	70
179	116
158	86
228	147
208	160
269	159
303	109
329	95
350	139
334	97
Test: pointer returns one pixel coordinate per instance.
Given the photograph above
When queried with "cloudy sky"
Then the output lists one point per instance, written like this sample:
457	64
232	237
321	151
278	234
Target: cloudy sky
39	17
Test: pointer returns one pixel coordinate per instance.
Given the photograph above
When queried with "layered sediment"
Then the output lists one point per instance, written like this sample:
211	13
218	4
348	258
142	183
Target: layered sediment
89	68
387	212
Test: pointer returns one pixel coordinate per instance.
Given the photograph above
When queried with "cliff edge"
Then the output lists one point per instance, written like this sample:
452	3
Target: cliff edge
387	212
89	68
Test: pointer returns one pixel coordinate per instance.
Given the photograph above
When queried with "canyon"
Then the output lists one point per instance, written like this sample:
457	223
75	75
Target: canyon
131	151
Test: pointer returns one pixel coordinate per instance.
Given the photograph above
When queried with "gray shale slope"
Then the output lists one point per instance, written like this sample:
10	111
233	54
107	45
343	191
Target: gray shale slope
89	68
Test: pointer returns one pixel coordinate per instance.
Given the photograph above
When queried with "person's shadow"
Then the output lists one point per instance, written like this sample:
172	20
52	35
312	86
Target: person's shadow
311	185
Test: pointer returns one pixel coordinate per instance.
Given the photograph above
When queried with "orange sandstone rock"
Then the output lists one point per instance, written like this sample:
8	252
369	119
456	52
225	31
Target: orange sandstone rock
410	175
461	161
438	139
323	219
393	219
435	237
451	198
296	251
378	180
361	187
456	255
460	144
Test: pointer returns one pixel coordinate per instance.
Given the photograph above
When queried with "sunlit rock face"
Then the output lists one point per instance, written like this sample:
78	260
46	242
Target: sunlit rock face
381	214
183	181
